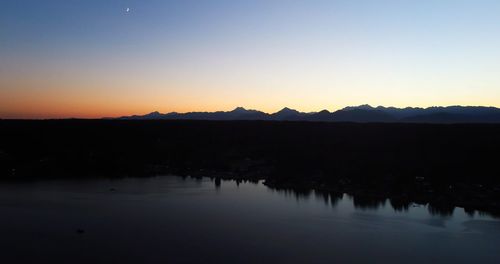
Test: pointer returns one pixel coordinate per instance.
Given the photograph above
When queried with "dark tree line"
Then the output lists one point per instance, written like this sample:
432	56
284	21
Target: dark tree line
442	163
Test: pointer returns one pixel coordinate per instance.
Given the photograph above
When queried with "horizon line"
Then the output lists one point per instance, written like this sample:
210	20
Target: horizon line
250	109
308	112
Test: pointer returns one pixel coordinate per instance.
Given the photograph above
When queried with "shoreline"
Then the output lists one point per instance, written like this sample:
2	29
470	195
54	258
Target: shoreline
441	165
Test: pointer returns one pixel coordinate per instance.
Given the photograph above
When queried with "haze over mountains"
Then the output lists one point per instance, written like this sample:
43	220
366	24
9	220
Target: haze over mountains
362	113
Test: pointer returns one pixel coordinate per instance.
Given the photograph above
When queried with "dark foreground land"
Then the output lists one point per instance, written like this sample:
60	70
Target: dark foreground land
443	165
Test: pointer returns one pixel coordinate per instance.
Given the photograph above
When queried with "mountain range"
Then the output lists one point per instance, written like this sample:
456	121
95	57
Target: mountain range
362	113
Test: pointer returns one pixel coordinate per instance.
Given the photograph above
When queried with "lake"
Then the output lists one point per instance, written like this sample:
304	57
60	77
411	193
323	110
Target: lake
169	219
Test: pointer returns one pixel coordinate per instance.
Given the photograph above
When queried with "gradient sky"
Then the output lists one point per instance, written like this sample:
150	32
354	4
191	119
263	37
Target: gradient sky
90	58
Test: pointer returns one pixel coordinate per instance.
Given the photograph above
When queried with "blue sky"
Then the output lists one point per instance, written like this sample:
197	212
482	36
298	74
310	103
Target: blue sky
92	58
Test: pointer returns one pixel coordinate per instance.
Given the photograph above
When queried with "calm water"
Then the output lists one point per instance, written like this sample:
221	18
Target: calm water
175	220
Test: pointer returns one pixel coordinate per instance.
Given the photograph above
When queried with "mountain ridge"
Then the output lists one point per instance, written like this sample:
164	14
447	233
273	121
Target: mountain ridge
363	114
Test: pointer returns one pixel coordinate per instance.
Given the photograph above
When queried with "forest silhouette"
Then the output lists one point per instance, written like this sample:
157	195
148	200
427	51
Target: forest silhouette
444	165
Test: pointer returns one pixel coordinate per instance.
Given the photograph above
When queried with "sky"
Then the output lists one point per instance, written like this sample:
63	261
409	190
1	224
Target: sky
92	58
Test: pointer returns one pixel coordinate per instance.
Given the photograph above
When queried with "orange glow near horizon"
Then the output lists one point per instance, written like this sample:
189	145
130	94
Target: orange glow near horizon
94	96
47	98
82	60
57	104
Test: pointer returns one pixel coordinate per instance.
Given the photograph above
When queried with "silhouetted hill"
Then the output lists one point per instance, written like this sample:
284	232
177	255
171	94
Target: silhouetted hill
239	113
288	114
441	117
429	163
323	115
452	118
360	114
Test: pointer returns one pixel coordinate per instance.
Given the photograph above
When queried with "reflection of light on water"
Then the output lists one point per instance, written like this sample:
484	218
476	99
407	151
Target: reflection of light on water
186	214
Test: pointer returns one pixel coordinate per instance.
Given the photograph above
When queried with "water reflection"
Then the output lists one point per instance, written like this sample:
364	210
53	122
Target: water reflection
370	202
329	198
400	205
444	210
168	218
217	183
360	202
367	202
